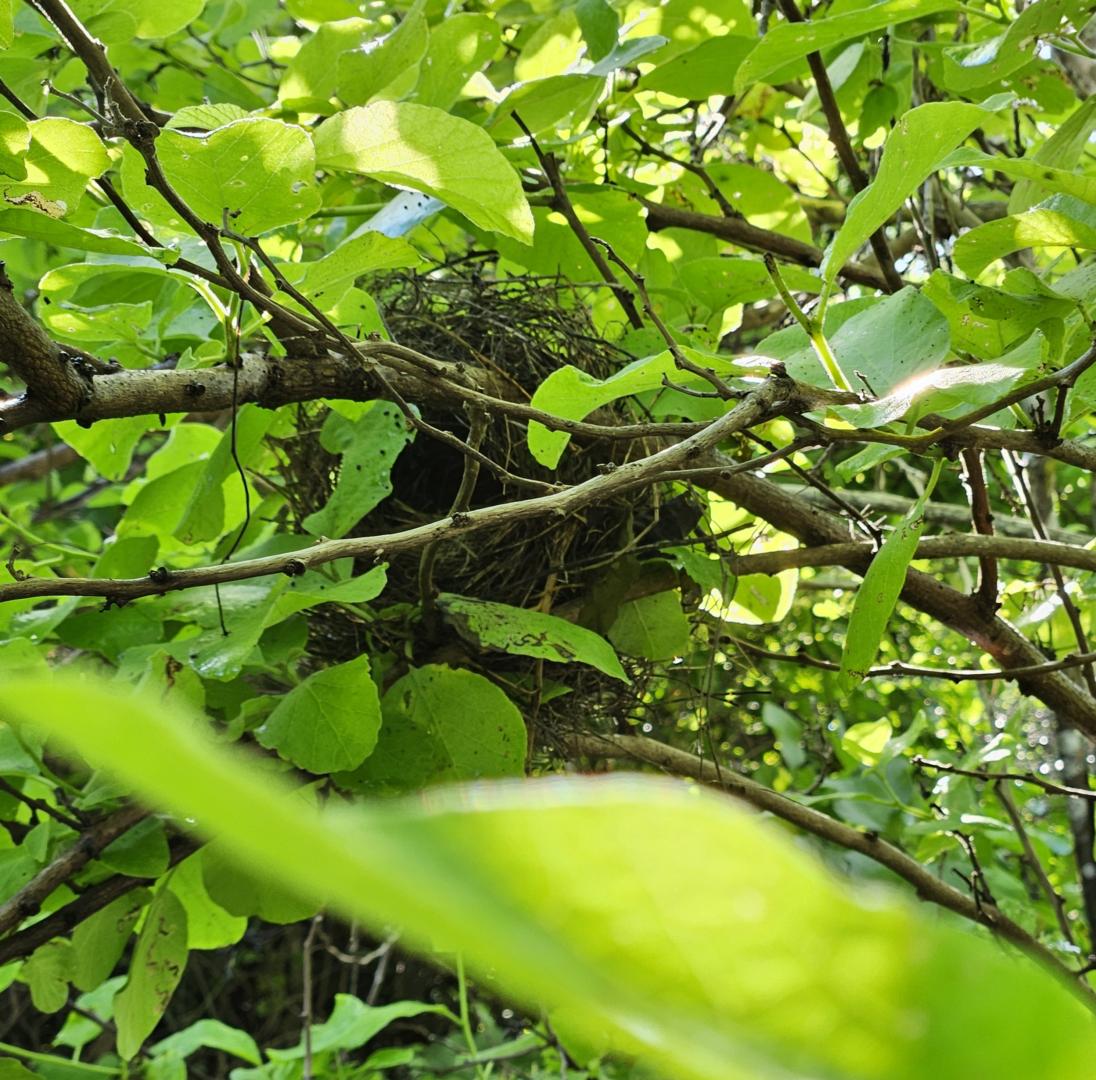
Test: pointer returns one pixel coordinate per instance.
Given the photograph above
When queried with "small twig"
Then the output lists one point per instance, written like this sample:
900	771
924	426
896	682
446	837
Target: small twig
680	359
1033	861
997	777
563	204
916	671
41	807
306	994
982	519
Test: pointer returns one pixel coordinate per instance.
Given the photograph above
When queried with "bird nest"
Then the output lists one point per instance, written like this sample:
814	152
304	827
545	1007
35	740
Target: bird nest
520	329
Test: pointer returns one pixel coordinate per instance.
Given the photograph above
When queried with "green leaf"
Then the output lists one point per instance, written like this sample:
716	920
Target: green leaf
352	1023
573	394
373	65
204	514
866	742
653	627
155	970
311	78
701	72
99	941
7	23
599	24
987	322
369	447
529	633
888	342
107	445
1061	151
992	59
790	41
424	148
788	731
546	104
1060	221
369	253
330	722
879	591
14	133
139	852
459	47
916	146
242	893
444	724
140	18
47	974
209	1035
208	925
1040	176
659	915
260	171
62	158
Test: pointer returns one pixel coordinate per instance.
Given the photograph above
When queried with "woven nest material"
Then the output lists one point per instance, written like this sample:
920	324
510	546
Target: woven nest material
520	329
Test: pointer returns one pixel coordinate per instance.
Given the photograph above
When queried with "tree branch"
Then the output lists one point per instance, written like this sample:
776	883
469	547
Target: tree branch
990	633
87	846
767	401
741	232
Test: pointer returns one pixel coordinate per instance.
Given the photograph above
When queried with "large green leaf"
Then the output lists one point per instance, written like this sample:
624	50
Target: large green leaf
312	76
916	146
1039	175
459	47
573	394
260	172
98	942
155	970
330	722
703	71
1060	151
879	591
323	279
1060	221
63	156
529	633
424	148
653	627
887	342
788	42
441	723
375	64
658	915
123	19
18	221
14	137
992	59
369	447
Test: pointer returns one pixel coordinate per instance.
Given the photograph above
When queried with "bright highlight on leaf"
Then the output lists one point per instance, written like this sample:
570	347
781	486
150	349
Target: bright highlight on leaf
424	148
662	916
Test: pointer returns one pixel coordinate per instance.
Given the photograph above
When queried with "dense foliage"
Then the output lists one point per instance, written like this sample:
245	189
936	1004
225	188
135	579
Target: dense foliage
416	393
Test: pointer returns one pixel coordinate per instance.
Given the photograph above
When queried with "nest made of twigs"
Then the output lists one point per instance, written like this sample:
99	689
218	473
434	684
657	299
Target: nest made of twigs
520	329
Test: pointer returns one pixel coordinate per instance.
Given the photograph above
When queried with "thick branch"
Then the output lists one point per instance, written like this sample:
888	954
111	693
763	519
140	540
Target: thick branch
70	862
921	591
964	545
769	400
52	380
745	235
91	900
